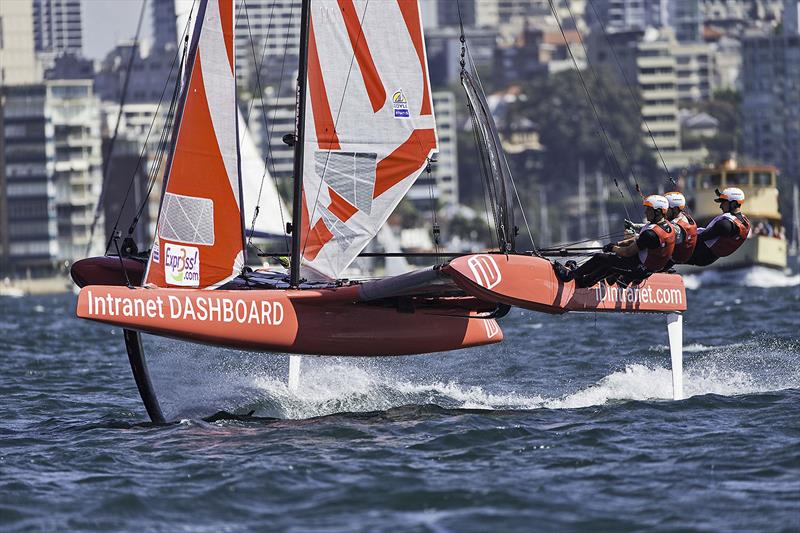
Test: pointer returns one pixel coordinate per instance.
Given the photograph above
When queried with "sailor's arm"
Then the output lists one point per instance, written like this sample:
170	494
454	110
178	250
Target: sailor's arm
630	247
626	248
721	228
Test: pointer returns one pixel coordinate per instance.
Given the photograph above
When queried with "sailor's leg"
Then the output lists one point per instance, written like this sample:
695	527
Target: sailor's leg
602	265
591	271
294	372
702	256
675	332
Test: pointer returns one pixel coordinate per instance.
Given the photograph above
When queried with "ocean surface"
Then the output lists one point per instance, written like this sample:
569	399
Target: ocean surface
567	425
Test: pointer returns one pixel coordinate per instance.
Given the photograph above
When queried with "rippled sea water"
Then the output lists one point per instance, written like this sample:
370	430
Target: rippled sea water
567	425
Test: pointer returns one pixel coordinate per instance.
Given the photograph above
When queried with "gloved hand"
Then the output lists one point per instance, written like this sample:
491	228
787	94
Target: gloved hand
629	224
608	248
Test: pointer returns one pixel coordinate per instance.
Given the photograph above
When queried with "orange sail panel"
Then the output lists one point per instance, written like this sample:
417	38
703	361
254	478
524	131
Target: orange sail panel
369	129
199	237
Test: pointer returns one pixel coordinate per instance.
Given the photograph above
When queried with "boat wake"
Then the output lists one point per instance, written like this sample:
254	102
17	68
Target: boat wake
757	276
330	386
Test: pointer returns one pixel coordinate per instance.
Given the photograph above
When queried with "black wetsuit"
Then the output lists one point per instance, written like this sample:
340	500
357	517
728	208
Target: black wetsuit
703	256
600	266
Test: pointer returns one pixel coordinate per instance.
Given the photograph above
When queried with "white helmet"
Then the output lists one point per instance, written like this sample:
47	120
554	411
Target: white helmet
676	200
657	202
731	194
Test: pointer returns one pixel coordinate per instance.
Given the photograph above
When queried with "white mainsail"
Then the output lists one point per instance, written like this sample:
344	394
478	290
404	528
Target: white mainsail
258	188
369	124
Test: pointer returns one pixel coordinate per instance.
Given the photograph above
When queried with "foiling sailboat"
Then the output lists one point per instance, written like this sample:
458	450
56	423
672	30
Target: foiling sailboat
365	131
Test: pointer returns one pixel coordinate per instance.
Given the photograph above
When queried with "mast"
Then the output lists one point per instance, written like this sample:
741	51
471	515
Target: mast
299	143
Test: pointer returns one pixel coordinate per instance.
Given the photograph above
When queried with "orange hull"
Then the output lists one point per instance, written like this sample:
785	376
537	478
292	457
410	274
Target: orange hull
530	283
406	318
316	322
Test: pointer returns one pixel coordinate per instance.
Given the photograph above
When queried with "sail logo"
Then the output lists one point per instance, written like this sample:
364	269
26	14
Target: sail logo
485	271
156	255
181	265
400	105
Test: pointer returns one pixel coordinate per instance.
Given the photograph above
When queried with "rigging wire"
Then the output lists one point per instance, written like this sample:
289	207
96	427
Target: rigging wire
112	141
269	157
184	37
591	102
434	221
632	93
162	148
465	51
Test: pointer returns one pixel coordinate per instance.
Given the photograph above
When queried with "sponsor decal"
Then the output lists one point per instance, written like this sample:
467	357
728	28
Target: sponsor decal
400	104
644	295
155	255
206	308
485	271
492	328
181	265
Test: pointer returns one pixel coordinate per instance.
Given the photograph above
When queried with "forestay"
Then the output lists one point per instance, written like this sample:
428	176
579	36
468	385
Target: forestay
369	125
199	237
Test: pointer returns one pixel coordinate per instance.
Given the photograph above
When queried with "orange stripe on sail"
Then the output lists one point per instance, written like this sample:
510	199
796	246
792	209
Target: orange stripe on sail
226	20
406	159
410	11
340	207
314	239
372	80
323	119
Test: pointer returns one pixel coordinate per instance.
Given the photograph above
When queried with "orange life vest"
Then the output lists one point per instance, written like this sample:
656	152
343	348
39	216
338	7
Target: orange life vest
683	251
725	246
654	259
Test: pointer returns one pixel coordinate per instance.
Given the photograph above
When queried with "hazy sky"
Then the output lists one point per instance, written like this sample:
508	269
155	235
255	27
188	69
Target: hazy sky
107	23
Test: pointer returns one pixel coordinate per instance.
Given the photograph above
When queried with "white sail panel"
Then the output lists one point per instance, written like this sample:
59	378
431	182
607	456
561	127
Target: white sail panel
369	126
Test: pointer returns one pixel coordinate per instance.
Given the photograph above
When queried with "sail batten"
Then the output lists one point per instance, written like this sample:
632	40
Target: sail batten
370	129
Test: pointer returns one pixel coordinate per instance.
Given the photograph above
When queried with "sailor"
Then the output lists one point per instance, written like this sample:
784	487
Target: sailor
635	258
725	233
685	228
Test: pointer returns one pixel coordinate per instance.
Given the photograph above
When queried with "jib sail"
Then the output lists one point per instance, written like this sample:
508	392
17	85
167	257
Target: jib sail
199	238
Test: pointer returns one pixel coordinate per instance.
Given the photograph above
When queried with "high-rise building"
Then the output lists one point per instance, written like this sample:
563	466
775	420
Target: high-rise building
493	13
148	75
444	52
138	135
649	59
683	16
694	67
74	113
28	222
162	17
265	32
627	15
18	63
51	160
440	187
791	17
686	20
441	13
771	100
57	28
